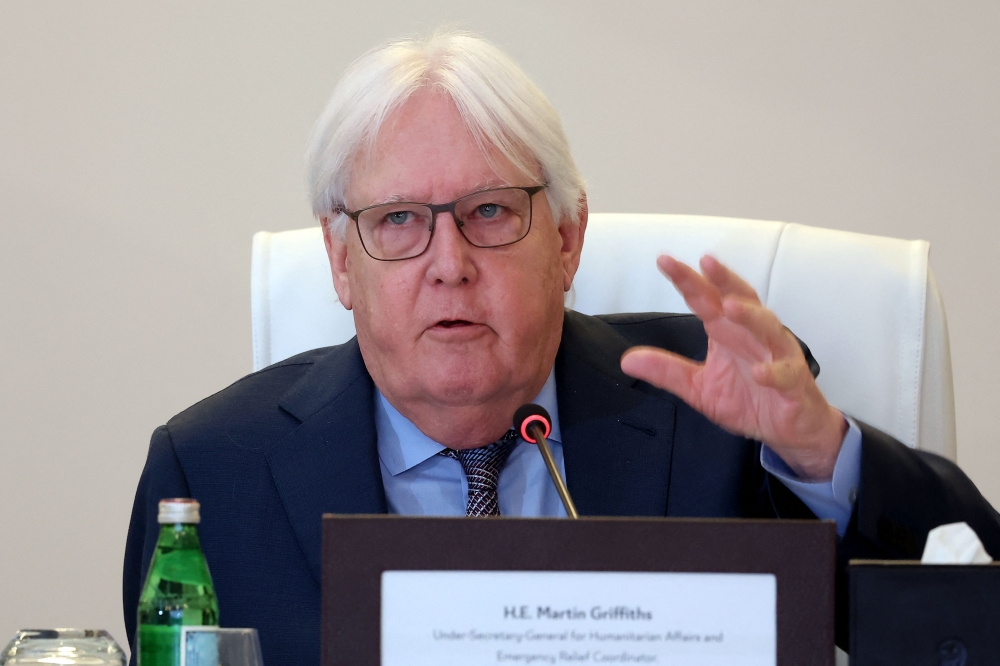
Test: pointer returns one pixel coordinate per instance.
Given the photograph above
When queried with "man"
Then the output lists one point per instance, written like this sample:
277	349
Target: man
454	218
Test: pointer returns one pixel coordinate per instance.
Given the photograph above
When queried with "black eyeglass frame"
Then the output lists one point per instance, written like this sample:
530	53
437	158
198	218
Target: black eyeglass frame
449	207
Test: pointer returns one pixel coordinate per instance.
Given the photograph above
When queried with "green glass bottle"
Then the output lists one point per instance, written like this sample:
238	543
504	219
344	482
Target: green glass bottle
178	590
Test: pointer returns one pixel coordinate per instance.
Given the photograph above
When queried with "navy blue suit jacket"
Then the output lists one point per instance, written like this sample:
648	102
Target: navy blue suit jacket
269	455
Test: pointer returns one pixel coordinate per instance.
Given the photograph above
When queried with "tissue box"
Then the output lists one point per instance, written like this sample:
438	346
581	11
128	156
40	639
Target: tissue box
935	614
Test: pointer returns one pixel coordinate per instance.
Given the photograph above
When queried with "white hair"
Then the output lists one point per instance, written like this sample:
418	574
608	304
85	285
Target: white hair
503	109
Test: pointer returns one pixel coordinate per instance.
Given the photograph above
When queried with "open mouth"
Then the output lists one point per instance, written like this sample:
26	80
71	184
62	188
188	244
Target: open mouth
454	323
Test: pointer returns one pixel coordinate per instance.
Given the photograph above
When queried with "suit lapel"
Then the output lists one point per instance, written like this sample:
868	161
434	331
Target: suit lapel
617	432
617	436
329	464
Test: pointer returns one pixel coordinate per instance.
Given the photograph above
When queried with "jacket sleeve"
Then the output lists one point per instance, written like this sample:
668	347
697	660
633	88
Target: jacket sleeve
162	477
903	495
906	493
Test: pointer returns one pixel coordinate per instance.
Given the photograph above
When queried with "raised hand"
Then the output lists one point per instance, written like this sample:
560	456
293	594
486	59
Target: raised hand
755	380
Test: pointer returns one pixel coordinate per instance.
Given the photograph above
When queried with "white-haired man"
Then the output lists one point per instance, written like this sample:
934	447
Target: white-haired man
454	218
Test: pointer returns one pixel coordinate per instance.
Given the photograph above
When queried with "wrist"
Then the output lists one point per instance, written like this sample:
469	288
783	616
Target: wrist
816	461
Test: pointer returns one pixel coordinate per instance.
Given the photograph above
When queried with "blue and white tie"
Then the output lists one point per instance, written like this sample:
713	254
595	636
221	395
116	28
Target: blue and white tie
482	469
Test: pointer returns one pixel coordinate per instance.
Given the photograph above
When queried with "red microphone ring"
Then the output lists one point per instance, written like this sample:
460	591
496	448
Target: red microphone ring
528	421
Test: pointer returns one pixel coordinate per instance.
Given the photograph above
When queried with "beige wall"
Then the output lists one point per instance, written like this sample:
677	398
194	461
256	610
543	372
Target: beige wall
141	145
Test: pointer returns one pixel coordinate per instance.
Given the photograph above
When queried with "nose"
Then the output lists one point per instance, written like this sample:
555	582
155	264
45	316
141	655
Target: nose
449	254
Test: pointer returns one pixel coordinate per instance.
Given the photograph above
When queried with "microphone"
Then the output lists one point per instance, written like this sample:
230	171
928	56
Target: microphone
534	424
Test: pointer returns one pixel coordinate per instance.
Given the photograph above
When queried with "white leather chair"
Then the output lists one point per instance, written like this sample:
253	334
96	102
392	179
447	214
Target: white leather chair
867	306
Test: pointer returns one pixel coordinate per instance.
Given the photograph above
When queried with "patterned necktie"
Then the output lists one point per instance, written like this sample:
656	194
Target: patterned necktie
482	469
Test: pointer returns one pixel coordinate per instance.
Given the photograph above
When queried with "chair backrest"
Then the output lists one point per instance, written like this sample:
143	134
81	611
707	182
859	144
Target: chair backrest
867	306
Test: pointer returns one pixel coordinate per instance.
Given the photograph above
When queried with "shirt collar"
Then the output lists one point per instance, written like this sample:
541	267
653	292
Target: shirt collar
402	446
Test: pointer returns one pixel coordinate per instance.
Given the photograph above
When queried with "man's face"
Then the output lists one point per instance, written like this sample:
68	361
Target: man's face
458	328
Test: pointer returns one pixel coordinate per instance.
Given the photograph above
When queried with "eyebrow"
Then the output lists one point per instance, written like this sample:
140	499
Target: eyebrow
395	198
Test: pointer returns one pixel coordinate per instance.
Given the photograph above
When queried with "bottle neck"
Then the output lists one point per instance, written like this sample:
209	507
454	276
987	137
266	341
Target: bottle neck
179	536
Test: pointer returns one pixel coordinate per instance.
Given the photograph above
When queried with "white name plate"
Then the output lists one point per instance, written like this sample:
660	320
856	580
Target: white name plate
475	618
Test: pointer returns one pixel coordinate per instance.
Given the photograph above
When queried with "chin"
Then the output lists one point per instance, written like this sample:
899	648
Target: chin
461	383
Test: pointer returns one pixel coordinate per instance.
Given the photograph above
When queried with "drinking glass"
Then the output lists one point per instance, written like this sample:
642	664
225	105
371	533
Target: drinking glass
43	647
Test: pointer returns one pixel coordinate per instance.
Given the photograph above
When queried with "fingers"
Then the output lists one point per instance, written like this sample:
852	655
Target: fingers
700	295
763	325
715	273
726	281
721	292
781	375
664	370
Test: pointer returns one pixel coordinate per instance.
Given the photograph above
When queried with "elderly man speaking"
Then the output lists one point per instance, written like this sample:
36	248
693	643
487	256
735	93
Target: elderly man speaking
454	217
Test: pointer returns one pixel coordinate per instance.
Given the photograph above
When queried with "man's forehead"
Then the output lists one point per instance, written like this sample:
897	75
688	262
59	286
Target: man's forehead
426	195
425	152
433	183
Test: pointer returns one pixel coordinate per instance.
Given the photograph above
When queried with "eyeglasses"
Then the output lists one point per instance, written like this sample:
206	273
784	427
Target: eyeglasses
488	218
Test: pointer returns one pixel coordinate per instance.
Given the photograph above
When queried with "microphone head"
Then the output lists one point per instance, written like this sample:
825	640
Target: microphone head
529	414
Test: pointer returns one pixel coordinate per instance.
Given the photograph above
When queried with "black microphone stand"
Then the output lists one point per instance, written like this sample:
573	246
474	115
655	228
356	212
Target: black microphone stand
535	430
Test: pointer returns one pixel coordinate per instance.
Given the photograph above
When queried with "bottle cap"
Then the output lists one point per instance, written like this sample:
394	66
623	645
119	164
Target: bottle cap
179	510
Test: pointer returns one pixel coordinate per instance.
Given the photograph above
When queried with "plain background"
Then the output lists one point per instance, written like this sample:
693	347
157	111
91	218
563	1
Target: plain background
141	146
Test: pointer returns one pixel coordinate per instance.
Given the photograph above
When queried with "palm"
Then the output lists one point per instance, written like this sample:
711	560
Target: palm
724	390
755	380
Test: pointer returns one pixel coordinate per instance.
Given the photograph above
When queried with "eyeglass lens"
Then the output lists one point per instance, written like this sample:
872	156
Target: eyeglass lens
486	219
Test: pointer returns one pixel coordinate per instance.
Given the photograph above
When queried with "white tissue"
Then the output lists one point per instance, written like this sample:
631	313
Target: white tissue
955	543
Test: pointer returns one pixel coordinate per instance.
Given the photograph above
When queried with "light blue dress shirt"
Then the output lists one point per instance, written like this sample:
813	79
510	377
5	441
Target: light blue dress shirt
419	482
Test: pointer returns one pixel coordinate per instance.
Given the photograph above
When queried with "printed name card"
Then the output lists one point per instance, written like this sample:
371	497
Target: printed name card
475	618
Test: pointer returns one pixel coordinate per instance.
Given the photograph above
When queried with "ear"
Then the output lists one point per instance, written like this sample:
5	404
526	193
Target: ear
572	232
336	251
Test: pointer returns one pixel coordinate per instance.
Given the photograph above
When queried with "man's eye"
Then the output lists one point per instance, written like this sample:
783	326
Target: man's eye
488	210
399	217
